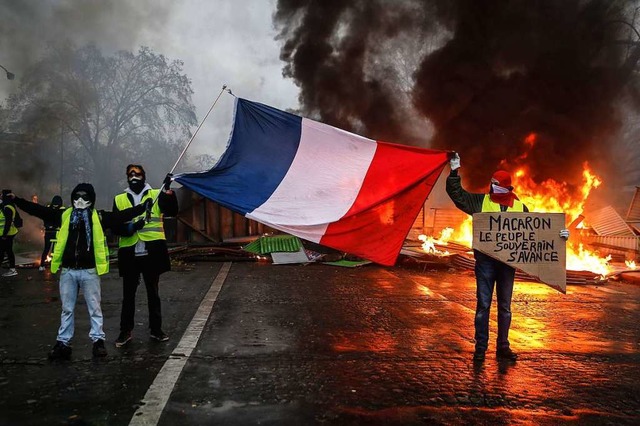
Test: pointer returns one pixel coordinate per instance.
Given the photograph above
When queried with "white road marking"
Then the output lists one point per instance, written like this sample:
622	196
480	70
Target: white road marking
160	390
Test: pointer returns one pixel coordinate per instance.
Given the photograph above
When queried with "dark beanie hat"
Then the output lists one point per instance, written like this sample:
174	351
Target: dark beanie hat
86	187
56	200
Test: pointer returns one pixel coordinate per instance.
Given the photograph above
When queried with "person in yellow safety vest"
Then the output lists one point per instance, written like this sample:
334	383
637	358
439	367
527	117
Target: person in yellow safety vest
490	272
50	230
8	231
82	255
143	251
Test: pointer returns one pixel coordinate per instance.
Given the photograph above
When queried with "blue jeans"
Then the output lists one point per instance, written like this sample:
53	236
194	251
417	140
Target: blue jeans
71	280
490	272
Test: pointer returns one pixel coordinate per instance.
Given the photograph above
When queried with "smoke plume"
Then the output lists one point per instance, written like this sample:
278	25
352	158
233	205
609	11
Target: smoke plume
475	76
28	29
29	26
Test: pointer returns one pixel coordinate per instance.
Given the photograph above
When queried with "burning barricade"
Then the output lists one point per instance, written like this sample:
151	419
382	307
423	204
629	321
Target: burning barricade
596	241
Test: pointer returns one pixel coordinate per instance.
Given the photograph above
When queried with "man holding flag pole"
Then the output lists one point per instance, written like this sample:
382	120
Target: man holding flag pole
142	244
142	250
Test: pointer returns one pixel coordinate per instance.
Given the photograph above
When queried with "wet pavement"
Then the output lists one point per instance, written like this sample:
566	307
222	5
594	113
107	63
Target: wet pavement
317	344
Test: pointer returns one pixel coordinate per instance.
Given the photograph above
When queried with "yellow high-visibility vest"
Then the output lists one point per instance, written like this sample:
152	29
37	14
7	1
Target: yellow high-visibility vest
153	230
12	229
100	249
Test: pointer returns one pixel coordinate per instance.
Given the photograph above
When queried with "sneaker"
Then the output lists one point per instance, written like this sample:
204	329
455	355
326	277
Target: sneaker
506	354
123	338
159	335
478	355
41	268
99	351
11	273
60	351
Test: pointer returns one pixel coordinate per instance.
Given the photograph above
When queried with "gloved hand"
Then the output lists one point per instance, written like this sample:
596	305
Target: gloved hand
148	204
132	227
167	181
454	161
564	234
138	224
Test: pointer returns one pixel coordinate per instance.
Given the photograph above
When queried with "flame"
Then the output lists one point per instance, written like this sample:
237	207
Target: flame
429	243
630	264
548	196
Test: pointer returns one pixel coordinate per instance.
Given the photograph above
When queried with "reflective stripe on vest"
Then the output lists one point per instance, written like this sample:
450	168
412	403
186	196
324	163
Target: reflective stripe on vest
153	230
490	206
100	249
12	229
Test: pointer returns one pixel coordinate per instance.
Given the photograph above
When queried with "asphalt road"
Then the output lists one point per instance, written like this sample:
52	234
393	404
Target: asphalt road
317	344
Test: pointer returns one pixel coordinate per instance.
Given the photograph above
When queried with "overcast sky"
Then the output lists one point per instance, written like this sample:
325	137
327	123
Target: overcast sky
225	42
220	42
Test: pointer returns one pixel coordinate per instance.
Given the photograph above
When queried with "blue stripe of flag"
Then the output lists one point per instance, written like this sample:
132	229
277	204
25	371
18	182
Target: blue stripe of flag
263	144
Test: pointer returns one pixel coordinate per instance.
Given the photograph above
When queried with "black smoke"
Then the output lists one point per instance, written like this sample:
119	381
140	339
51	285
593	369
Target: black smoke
484	73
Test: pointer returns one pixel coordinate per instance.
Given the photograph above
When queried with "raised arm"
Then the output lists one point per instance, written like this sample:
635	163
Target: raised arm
468	202
39	211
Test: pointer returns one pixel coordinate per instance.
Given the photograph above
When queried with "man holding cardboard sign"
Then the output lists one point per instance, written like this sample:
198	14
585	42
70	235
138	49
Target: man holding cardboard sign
490	272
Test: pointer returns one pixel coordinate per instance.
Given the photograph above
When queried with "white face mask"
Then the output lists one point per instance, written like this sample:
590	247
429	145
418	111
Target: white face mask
497	189
81	203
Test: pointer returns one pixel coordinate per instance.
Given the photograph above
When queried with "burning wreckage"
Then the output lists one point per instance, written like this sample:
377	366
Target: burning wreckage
603	244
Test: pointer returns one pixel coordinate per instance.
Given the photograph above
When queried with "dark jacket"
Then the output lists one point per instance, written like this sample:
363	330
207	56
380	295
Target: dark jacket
468	202
76	253
158	254
51	226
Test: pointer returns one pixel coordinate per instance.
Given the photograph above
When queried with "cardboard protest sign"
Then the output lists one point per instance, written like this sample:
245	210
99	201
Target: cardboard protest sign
526	241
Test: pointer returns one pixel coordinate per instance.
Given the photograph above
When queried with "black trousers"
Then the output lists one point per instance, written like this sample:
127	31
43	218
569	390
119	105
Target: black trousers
6	246
48	236
130	282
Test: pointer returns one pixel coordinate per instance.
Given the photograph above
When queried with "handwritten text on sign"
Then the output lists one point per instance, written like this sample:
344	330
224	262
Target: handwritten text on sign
527	241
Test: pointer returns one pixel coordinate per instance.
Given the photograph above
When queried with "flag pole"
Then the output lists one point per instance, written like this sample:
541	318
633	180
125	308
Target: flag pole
224	87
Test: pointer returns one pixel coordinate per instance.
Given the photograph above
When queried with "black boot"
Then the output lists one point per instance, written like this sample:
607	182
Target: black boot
99	351
478	355
506	354
60	351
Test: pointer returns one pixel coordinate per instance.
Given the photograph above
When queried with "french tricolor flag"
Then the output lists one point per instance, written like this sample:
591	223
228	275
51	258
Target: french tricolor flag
320	183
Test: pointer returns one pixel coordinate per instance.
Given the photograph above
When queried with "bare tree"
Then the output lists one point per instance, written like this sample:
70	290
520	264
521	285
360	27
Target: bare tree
127	107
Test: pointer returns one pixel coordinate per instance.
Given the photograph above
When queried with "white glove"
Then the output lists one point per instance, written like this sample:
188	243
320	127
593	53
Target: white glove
564	234
454	162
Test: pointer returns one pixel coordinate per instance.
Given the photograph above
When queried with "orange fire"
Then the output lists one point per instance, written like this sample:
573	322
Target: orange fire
549	196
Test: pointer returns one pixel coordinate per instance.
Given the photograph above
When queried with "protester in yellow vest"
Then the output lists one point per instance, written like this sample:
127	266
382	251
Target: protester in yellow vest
143	251
490	272
82	255
8	231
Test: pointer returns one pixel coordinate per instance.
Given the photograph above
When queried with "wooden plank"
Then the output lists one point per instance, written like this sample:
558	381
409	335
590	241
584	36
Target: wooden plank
190	226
